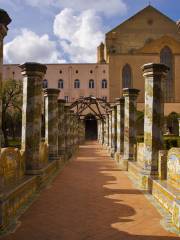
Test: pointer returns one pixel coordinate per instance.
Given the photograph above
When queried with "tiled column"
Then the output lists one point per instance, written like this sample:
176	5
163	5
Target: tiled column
67	122
99	130
120	129
51	121
76	129
110	129
72	122
154	74
130	96
179	125
114	130
102	131
33	74
4	21
61	130
81	131
107	131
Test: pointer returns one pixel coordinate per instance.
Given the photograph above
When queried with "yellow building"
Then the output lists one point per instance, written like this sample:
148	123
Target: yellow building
148	36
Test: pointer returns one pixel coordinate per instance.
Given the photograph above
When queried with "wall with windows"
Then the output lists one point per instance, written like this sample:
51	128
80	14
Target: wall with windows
73	80
148	36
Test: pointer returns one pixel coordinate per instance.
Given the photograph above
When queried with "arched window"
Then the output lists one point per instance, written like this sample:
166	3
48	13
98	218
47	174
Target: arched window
91	83
45	83
166	57
104	83
126	76
76	83
60	83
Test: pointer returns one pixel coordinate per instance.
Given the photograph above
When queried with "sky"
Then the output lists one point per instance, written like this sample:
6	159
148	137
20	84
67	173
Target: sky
64	31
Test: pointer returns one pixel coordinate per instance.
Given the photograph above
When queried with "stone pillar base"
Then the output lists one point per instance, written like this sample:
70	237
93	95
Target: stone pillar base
146	181
117	156
123	164
105	146
109	149
112	151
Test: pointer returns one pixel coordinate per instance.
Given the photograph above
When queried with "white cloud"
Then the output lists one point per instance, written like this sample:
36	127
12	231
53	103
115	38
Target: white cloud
79	35
108	7
28	46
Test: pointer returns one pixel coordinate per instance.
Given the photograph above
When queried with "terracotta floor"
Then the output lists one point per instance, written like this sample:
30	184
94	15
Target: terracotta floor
91	200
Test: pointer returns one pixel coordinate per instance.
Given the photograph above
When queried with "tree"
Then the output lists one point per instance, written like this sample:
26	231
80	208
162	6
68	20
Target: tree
11	106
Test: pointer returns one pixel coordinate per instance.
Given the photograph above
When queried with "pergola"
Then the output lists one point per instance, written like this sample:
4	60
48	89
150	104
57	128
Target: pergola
97	106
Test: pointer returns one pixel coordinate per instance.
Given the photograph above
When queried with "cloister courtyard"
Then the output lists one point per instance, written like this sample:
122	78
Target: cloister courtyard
92	150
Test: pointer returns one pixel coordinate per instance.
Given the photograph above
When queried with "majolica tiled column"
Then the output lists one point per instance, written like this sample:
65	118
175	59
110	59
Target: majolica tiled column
33	74
76	127
120	128
4	22
101	131
72	123
110	129
51	121
61	130
130	96
114	130
154	74
107	131
67	121
81	131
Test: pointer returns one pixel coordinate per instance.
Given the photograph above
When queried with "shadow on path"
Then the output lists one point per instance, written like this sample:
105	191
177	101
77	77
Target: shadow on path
91	200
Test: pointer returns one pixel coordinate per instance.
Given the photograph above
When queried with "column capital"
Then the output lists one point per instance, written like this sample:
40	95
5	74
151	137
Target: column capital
151	69
61	101
32	68
4	18
130	92
51	91
4	21
120	101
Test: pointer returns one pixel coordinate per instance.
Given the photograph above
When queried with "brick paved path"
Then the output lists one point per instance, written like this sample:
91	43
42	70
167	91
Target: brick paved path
91	200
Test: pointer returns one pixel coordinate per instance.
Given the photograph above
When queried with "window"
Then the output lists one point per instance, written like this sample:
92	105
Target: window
76	83
91	83
104	98
76	71
104	83
45	83
91	71
166	57
60	83
126	76
60	71
66	98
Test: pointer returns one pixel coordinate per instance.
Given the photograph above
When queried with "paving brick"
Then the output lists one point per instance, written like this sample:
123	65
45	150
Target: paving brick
91	200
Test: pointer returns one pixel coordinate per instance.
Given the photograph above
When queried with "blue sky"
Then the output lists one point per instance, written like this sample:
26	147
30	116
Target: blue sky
68	30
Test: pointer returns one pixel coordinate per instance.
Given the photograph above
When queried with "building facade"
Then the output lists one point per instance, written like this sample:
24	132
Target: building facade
73	80
148	36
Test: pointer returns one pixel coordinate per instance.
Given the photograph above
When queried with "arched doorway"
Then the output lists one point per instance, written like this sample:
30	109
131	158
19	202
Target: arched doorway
90	127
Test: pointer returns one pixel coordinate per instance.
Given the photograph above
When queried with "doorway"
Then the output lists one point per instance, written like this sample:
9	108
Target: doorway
90	127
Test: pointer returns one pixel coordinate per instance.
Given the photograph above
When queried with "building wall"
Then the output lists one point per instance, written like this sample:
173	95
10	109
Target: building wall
70	72
138	41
